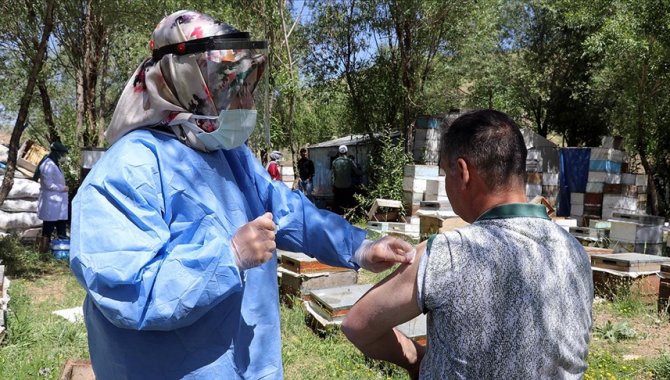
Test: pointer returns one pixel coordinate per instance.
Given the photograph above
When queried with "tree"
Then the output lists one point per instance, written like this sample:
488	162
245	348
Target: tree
537	71
386	51
633	39
31	45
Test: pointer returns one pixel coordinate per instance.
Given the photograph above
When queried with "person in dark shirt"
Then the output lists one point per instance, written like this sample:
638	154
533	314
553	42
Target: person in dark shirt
343	174
306	172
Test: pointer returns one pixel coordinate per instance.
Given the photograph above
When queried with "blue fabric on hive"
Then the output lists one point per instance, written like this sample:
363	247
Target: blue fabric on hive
574	173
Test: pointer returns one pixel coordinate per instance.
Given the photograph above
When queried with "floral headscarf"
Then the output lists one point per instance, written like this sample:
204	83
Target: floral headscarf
178	86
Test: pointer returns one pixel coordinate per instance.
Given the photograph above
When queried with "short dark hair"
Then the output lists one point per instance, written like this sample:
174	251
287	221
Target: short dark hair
303	150
490	141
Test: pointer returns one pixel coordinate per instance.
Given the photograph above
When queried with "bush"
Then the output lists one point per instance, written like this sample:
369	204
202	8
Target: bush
20	260
661	367
615	332
385	168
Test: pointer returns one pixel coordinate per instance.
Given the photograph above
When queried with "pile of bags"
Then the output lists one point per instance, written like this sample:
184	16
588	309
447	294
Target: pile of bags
18	213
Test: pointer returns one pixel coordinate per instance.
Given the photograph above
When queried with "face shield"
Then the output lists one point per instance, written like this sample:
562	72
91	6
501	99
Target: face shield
232	68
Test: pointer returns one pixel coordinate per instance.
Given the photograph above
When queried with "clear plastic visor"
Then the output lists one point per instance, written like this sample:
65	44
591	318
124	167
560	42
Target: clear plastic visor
235	78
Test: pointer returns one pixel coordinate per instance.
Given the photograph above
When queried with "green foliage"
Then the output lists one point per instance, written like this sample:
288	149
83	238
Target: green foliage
661	367
626	301
307	355
23	261
632	42
38	343
386	163
604	365
615	332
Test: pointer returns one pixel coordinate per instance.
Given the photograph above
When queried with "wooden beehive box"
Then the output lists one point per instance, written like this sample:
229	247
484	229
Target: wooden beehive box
302	284
430	225
29	156
632	232
300	263
597	250
415	329
664	289
629	262
334	303
77	370
632	271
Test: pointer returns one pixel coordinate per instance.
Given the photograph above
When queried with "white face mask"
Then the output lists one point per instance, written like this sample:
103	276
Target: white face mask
233	128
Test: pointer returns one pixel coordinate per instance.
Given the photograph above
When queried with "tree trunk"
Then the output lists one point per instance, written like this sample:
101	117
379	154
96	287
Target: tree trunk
47	110
19	126
641	140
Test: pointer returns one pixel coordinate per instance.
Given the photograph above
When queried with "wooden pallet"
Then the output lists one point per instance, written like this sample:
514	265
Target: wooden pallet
77	370
597	250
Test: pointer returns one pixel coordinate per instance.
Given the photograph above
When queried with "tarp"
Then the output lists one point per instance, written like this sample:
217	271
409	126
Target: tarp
574	173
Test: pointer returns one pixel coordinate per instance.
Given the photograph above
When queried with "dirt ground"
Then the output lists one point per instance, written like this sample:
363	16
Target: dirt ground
48	288
653	331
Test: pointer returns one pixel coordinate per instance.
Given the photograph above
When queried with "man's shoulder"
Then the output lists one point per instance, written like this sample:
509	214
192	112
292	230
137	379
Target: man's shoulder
343	160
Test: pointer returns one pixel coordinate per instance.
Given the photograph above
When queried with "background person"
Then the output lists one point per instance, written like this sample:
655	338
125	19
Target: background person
273	166
52	202
306	173
174	230
507	297
343	172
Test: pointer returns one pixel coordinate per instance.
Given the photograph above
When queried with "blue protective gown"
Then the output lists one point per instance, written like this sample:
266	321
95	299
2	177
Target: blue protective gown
151	228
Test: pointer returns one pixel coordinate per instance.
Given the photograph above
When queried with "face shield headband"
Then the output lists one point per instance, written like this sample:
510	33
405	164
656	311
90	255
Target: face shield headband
231	41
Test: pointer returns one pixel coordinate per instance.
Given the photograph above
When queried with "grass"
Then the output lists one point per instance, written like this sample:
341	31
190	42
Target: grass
39	343
309	356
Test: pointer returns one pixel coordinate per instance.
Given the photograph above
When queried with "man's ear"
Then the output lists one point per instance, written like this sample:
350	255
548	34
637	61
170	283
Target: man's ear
463	172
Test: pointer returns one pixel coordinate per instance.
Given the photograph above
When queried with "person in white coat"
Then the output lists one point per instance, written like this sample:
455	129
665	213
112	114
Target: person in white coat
52	203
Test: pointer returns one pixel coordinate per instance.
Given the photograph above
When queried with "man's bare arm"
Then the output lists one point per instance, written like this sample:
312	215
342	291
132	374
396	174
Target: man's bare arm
370	323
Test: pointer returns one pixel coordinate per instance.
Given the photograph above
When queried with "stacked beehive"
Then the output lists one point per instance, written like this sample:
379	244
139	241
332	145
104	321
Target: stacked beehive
427	137
604	176
637	233
533	174
539	182
610	187
415	185
629	196
301	274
